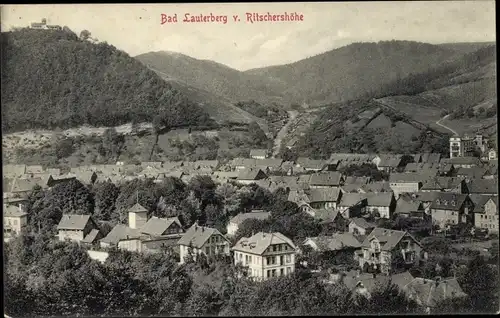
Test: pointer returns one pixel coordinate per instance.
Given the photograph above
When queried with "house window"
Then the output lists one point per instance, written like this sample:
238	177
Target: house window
15	222
268	260
288	259
288	270
207	250
280	247
250	259
274	248
273	273
268	273
282	271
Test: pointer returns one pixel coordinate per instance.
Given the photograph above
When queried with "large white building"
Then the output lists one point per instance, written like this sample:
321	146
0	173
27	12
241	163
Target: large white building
465	146
266	255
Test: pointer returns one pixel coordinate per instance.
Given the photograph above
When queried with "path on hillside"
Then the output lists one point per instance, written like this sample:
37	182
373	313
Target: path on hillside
446	127
292	114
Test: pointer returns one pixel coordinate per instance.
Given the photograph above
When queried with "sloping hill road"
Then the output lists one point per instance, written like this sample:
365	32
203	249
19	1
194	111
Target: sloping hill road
292	114
446	127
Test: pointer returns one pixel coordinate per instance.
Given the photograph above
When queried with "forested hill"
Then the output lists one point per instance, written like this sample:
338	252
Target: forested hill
52	78
355	70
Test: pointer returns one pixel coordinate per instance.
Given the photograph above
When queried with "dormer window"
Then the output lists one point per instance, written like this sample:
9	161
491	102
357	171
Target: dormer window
453	203
445	202
438	202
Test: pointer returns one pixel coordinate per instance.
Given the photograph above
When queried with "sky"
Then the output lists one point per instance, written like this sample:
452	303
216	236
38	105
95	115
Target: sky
137	28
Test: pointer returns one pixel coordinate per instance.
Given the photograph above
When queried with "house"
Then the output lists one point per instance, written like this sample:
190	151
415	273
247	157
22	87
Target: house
367	283
426	198
406	182
13	171
388	163
352	205
54	180
311	164
444	184
492	154
34	169
409	207
202	240
160	232
451	208
266	255
77	227
249	176
429	157
471	173
486	212
270	164
123	237
376	187
431	292
382	247
464	162
242	163
259	153
359	226
235	222
332	220
492	170
23	187
326	179
416	167
323	198
357	180
382	203
15	219
483	186
331	244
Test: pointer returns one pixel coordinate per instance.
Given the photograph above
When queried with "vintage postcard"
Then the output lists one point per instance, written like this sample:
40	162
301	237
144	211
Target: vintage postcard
249	159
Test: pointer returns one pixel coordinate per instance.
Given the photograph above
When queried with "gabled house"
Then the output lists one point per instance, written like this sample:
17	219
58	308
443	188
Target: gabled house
331	244
249	176
259	153
13	171
326	180
269	164
382	247
332	220
471	173
266	255
376	187
202	240
492	170
352	205
486	212
359	226
382	203
429	293
15	219
406	182
444	184
483	187
77	227
311	164
451	209
416	167
160	232
242	163
464	162
235	222
388	162
429	157
323	198
409	207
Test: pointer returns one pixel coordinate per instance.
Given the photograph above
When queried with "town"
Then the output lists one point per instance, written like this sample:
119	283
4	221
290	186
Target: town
425	196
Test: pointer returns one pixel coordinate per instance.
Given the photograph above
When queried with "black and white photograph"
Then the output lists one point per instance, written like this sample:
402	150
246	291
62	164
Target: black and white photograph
249	159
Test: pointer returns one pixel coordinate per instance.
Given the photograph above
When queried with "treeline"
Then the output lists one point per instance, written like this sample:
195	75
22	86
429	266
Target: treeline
55	79
46	278
450	73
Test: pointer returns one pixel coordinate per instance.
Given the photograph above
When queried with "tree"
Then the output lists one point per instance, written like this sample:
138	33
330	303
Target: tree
64	148
257	135
85	34
105	194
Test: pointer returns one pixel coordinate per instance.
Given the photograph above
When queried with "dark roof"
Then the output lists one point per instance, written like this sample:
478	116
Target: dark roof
351	199
416	167
377	187
157	226
483	186
408	177
408	206
441	183
137	208
362	223
382	199
391	161
238	219
268	163
330	178
357	180
448	201
73	222
119	233
91	237
250	174
388	238
480	200
428	157
323	195
197	235
464	161
474	172
13	211
311	163
327	215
